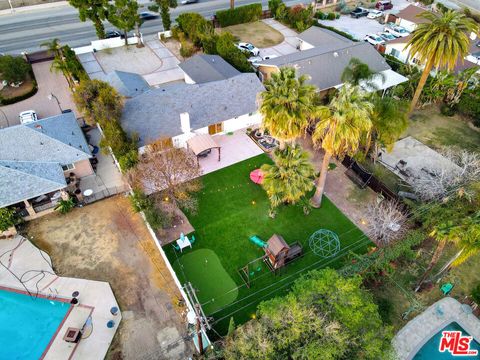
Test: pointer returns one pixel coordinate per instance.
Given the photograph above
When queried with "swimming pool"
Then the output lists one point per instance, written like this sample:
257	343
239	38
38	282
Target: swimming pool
27	324
430	351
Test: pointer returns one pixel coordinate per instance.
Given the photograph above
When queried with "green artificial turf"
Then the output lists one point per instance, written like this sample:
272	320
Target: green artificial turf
207	274
231	209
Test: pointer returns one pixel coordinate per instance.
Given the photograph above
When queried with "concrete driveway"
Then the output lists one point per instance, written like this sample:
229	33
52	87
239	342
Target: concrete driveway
287	46
358	28
48	83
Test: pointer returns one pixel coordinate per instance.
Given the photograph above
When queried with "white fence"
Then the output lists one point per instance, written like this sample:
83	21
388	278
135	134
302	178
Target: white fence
97	45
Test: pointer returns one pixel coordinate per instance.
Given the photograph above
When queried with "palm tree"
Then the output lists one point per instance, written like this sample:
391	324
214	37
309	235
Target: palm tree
287	106
290	177
64	206
440	42
342	126
53	46
465	235
358	72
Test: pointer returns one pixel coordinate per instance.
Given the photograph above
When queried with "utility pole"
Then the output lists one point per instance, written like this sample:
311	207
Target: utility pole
201	319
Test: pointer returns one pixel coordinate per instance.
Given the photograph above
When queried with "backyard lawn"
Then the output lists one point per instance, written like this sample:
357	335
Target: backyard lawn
231	209
258	33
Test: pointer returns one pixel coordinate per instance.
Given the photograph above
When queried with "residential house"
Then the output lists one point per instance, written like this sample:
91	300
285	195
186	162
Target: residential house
324	57
409	19
177	112
36	159
126	83
206	68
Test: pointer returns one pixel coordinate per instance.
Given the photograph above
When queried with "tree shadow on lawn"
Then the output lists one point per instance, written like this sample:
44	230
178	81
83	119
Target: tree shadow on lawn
231	209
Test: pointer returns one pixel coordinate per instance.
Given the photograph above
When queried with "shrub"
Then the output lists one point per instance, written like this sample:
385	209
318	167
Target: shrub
273	6
476	294
129	159
282	12
469	105
157	218
73	65
300	17
14	69
187	49
320	15
209	44
447	110
385	309
195	26
239	15
235	57
394	63
8	218
331	16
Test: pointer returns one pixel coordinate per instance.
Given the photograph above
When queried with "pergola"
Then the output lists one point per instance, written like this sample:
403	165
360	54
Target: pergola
202	142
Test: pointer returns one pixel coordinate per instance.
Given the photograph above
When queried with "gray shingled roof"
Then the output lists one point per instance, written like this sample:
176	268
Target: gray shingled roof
325	68
55	139
324	38
156	113
31	156
128	84
26	180
206	68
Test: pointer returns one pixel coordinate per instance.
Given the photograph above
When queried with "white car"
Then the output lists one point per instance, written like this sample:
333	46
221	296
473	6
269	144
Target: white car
249	48
386	36
28	116
374	14
397	31
374	39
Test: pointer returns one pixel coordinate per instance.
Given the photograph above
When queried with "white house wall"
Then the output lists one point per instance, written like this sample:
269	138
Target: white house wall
242	122
402	54
407	25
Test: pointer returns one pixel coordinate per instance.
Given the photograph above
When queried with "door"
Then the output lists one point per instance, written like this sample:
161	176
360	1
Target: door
215	128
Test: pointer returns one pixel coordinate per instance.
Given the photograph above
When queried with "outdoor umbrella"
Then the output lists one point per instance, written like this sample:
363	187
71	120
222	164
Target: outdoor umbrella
256	176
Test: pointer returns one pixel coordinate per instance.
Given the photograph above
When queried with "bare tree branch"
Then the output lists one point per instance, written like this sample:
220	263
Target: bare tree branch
386	222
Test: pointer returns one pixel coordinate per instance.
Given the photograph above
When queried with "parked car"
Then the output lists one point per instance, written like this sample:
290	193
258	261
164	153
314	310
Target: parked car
28	116
384	5
374	39
359	12
110	34
374	14
397	31
249	48
147	15
386	36
185	2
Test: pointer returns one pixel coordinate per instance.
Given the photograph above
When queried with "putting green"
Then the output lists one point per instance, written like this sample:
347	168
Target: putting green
214	286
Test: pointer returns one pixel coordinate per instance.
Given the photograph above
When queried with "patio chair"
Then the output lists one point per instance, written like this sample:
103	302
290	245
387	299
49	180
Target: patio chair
446	288
192	239
176	247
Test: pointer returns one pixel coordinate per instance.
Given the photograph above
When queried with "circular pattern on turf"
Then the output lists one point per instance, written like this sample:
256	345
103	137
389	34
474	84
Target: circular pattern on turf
324	243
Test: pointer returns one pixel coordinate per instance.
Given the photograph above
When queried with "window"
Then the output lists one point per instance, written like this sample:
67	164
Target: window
68	167
395	53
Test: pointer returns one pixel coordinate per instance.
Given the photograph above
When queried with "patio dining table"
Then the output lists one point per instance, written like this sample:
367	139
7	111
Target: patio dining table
184	243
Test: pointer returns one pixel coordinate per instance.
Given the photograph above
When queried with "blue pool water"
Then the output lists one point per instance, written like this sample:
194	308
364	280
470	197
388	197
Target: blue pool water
429	351
27	324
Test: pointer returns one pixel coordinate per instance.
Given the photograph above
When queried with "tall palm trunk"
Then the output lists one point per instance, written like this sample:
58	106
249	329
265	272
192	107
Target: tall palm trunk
316	200
232	4
436	256
421	84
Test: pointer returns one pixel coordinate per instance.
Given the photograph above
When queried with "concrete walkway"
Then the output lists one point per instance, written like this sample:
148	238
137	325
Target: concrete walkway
410	339
287	46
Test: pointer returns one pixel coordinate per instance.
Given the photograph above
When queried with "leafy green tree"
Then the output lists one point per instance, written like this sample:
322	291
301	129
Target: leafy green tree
13	69
226	49
290	177
325	316
124	15
65	206
94	10
440	42
8	218
343	124
164	7
288	105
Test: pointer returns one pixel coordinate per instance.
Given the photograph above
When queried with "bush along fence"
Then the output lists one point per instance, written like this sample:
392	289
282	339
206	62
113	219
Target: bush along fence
239	15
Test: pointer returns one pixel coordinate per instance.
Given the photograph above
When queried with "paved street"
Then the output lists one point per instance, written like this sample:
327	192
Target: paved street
24	31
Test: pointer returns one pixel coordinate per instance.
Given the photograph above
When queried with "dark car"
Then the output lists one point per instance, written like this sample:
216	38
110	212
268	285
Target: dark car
110	34
147	16
359	12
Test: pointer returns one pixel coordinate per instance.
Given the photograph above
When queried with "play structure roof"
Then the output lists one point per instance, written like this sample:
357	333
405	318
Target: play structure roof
276	244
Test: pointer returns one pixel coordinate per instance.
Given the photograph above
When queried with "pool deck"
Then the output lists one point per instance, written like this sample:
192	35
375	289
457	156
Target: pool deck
410	339
96	299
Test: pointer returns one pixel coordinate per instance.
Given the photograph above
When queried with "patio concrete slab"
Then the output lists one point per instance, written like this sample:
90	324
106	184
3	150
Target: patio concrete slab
49	82
131	59
92	67
86	57
234	148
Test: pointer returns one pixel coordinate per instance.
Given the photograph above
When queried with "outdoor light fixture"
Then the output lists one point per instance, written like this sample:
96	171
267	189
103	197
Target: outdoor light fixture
253	202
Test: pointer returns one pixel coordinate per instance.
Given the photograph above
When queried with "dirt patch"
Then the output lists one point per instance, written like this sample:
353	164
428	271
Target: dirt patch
9	92
258	33
106	241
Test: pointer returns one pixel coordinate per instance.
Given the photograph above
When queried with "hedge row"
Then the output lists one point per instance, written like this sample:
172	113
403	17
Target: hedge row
239	15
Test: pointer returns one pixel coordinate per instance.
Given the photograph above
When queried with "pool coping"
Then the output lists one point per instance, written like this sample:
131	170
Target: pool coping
418	326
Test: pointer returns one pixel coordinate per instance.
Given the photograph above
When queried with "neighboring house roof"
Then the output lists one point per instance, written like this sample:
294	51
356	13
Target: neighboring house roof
206	68
156	113
126	83
26	180
411	13
328	40
326	68
55	139
400	40
31	156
